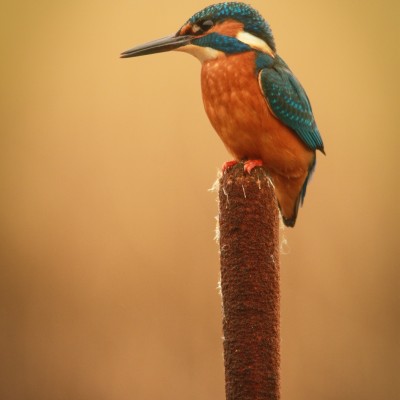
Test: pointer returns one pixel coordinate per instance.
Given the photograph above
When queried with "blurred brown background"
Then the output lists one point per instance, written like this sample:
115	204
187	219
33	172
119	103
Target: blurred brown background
108	268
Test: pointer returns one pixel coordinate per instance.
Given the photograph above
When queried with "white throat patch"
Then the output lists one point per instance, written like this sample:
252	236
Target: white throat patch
201	53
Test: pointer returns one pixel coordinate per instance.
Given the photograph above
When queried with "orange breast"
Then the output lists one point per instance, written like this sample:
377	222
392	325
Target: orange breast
242	118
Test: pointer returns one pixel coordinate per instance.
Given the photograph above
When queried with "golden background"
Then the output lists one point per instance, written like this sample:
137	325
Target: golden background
108	268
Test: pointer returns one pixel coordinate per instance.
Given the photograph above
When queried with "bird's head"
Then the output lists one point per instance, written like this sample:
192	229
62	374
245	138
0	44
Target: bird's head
217	30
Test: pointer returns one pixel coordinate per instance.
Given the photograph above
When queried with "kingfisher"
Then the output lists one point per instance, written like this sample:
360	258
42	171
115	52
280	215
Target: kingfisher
253	100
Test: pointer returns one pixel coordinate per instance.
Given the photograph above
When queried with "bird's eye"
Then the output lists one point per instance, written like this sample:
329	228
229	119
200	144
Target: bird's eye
206	25
202	26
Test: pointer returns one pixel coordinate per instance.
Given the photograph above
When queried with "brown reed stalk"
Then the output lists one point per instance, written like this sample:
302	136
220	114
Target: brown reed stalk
249	256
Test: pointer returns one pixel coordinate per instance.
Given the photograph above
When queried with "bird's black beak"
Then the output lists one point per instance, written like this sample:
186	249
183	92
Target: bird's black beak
158	46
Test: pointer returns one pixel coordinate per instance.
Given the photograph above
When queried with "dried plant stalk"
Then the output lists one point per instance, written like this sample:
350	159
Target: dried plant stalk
249	254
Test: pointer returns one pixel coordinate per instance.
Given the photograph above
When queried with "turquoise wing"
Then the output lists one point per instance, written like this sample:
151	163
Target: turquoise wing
289	102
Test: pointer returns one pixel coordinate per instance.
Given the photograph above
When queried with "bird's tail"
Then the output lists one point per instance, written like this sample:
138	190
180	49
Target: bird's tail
290	221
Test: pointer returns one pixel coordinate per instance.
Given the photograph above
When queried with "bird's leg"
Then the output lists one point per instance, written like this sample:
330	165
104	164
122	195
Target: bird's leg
250	164
228	164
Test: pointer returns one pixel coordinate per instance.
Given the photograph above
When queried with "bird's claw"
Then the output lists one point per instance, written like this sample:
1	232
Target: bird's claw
228	165
250	164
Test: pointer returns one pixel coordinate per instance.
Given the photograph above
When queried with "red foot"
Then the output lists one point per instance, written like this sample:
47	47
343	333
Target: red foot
250	164
228	164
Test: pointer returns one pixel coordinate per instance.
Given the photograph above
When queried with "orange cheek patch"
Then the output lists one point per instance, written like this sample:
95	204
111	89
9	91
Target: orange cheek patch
228	28
186	30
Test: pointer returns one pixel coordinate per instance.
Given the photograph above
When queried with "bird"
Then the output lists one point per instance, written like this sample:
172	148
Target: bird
253	100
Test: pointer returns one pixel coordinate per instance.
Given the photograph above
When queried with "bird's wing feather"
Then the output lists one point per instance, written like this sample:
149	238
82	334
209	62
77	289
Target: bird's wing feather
289	102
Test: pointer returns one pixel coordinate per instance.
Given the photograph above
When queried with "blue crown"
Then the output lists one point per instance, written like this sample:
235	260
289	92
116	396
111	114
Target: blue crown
251	19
